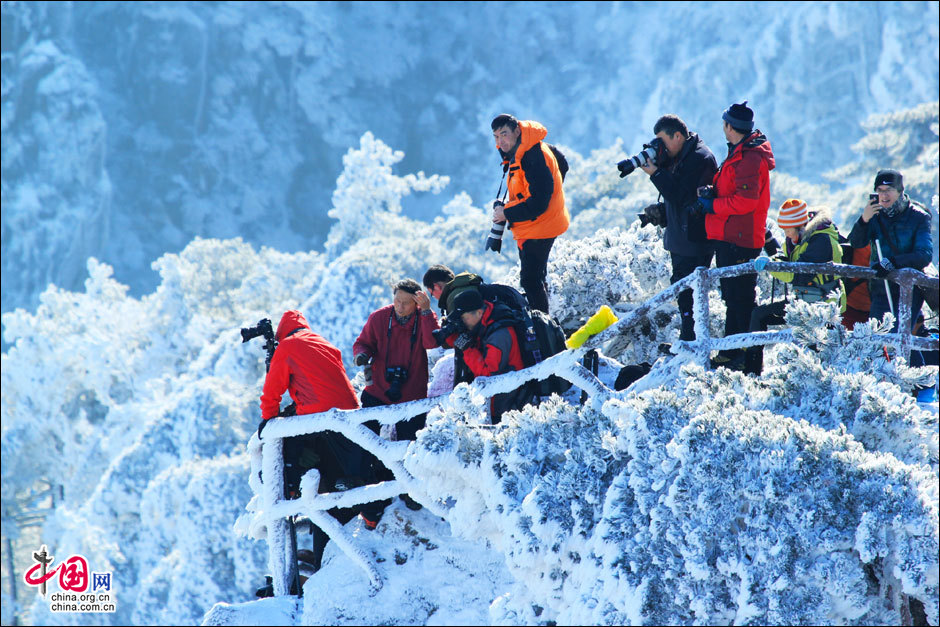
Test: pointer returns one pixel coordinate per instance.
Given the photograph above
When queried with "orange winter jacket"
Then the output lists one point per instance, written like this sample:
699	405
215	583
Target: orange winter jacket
535	205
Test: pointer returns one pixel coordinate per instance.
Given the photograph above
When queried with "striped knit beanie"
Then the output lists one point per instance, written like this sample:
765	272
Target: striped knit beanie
792	214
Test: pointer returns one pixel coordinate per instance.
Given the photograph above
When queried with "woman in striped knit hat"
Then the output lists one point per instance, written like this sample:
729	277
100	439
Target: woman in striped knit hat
811	238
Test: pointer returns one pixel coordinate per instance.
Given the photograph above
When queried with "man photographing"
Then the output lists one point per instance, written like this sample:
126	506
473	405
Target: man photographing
689	164
898	230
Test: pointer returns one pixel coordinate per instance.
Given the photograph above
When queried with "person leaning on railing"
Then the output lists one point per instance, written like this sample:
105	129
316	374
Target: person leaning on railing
735	209
311	369
809	240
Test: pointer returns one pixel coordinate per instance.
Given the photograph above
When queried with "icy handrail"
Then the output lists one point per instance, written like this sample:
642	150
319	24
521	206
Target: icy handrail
271	518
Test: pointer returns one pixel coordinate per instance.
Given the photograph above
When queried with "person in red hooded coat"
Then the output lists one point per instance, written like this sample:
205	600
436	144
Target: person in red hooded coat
735	208
311	370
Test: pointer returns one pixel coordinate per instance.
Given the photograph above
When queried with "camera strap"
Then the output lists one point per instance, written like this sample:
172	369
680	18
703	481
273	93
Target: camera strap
414	329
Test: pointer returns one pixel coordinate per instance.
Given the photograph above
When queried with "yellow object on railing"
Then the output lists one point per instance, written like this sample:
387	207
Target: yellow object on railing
595	324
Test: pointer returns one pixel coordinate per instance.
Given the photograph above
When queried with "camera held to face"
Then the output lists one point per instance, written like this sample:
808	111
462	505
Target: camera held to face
451	325
653	152
395	376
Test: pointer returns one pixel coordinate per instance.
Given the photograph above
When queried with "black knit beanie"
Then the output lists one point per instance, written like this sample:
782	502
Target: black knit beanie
892	178
739	117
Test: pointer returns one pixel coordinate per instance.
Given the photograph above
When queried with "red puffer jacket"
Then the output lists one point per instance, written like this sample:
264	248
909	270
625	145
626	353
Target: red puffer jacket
496	347
308	367
742	194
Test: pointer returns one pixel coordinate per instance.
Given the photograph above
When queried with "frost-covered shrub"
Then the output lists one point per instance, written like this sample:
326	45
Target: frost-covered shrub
716	498
614	266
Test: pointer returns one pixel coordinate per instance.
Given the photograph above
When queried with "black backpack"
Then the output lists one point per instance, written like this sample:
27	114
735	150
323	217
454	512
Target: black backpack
491	292
539	336
560	159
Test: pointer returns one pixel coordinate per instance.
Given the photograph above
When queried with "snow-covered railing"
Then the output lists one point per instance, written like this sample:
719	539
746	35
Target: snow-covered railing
272	510
704	280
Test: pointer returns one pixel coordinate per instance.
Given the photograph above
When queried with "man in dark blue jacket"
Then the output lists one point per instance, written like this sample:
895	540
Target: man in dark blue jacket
900	228
688	166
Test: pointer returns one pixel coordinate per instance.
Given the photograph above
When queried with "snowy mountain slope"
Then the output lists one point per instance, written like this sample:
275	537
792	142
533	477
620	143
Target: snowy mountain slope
148	403
140	126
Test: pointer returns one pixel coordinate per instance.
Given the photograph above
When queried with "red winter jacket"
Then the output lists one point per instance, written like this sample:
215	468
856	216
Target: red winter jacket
308	367
496	349
742	194
389	344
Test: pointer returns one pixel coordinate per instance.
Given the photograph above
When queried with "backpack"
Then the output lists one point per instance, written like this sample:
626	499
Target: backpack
540	337
560	159
491	292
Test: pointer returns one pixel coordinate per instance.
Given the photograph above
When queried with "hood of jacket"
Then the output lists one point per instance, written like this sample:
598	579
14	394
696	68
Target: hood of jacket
756	142
821	221
290	322
531	133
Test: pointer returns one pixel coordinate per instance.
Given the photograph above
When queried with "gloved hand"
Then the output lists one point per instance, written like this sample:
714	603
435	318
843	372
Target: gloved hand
261	427
463	341
706	191
362	359
703	206
760	263
883	268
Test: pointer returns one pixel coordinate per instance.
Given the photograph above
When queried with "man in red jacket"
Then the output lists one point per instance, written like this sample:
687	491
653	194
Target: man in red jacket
490	346
395	342
393	346
735	208
311	370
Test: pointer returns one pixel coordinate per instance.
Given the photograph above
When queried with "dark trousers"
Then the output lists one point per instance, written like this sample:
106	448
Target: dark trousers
339	461
683	266
501	403
533	271
762	317
740	292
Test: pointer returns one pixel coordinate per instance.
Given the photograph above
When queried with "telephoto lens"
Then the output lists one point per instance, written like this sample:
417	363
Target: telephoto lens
495	241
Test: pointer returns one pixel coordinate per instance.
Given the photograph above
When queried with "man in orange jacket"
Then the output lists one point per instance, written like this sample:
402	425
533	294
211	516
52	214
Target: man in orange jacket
535	203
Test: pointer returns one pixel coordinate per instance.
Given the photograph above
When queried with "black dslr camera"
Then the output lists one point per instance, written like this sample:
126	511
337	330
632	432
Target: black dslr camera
396	376
653	152
451	325
265	330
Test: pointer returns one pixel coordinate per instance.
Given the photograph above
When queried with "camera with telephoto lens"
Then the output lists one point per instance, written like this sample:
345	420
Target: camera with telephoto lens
451	325
262	329
495	240
265	330
652	152
395	376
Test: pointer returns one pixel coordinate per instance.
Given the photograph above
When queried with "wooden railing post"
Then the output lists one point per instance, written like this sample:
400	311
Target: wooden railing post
280	559
905	282
702	314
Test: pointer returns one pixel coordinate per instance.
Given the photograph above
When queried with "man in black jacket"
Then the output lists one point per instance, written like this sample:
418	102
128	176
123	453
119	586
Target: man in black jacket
689	164
898	230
